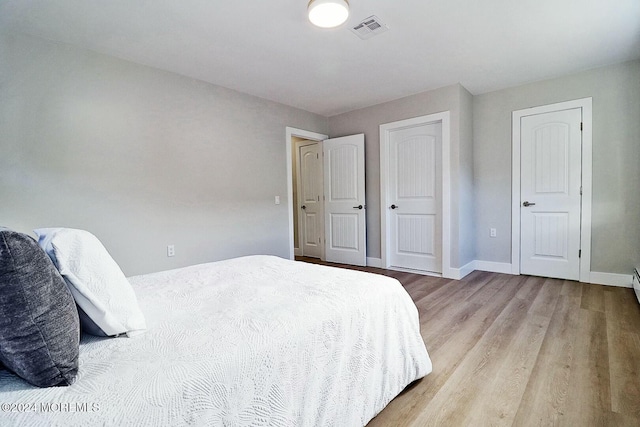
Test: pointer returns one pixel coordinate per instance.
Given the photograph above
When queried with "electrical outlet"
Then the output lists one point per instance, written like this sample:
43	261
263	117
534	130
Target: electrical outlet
492	232
171	250
277	200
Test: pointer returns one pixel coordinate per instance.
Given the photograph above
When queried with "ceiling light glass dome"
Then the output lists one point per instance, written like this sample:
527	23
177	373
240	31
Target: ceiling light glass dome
328	13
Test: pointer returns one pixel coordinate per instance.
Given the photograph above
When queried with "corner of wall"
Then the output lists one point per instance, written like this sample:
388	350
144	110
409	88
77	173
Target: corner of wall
466	193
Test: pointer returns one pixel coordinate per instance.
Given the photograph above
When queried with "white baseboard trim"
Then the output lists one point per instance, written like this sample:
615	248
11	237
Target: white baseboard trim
459	273
611	279
453	273
493	267
598	278
374	262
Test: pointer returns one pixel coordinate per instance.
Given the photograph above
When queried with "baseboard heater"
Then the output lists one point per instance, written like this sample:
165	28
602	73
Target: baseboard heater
636	282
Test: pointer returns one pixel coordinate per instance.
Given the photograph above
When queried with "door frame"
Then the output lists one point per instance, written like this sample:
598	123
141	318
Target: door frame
291	132
301	228
585	209
385	130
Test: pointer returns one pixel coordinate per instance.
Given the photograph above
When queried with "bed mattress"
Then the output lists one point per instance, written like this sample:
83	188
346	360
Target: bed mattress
250	341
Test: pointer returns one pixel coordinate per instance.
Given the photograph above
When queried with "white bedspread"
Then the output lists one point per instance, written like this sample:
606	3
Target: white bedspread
251	341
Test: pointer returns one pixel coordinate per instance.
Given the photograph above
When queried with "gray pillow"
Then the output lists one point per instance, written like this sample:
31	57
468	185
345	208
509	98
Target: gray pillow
39	326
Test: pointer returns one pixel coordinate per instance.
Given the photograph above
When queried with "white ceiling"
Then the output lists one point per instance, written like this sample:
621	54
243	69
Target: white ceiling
268	48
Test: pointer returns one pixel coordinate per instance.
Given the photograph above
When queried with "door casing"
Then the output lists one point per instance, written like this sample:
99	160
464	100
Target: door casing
585	224
385	130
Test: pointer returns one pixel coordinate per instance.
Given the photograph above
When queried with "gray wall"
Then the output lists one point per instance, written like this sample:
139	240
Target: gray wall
466	191
144	158
140	157
616	162
368	121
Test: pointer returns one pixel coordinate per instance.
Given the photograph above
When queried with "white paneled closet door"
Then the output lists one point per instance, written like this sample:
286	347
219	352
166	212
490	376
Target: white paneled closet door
344	191
414	213
550	205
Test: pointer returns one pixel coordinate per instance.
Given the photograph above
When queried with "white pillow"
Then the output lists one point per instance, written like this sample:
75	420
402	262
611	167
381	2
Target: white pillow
96	282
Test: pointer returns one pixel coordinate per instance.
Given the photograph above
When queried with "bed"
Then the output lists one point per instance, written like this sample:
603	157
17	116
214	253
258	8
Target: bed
252	341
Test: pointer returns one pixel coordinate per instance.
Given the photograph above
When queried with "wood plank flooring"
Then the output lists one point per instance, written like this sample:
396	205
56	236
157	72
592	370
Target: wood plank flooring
521	351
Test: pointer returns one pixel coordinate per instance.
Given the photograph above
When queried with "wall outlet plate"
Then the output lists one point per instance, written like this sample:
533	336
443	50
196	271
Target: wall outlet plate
171	250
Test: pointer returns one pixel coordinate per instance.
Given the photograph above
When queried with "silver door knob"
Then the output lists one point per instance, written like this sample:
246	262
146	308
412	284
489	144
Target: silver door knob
394	206
527	204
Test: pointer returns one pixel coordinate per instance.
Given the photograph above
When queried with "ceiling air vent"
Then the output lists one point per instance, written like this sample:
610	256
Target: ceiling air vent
369	27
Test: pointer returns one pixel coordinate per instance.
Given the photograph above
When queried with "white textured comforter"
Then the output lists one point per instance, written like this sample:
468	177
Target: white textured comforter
251	341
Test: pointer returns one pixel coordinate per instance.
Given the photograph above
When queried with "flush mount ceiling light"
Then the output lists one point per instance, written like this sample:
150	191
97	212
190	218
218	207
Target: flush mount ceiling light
328	13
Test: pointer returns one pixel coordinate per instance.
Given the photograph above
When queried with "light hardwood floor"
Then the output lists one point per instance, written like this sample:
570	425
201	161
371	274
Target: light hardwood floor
521	351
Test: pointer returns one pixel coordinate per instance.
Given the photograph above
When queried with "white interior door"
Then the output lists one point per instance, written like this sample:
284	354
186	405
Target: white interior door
310	189
345	219
551	151
415	187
